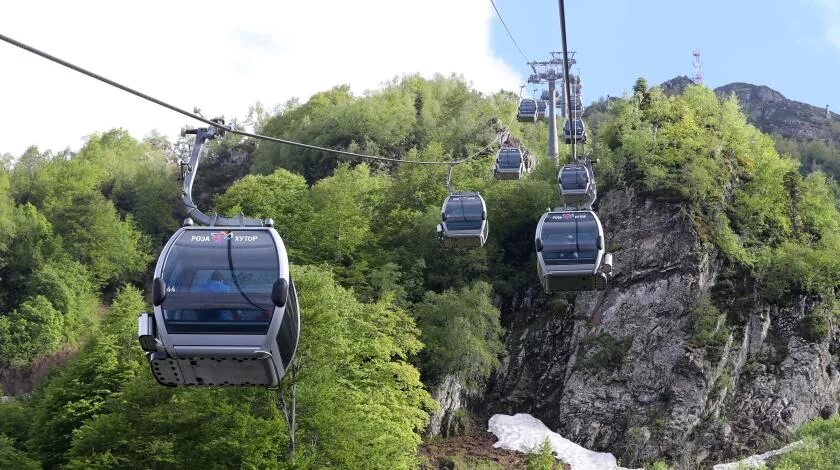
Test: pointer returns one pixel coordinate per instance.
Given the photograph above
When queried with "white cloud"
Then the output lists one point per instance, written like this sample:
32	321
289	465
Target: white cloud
222	57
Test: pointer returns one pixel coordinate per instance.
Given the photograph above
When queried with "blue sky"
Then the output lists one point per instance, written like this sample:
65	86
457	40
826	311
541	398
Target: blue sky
792	46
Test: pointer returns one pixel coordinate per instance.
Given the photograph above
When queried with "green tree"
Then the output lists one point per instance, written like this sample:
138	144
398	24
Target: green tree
542	458
282	196
462	334
10	457
78	393
35	328
822	451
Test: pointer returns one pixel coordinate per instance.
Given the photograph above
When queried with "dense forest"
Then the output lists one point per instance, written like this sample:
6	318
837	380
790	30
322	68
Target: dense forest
387	314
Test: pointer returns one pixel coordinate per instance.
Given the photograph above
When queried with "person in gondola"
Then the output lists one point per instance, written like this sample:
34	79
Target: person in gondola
217	283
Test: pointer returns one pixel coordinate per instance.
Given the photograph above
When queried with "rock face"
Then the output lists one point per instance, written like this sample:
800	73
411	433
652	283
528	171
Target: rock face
619	370
771	112
451	397
676	85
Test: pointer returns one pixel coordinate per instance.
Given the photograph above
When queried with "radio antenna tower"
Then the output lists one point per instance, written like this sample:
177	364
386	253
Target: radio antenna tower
698	68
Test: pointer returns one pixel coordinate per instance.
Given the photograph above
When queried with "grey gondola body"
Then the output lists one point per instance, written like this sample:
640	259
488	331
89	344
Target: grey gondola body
243	345
510	164
463	221
527	111
576	134
577	184
570	252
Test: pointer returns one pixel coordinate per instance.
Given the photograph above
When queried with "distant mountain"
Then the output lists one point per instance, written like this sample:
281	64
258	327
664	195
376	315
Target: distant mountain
676	85
771	112
807	134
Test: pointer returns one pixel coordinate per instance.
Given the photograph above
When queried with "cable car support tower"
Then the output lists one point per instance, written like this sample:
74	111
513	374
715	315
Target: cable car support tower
547	71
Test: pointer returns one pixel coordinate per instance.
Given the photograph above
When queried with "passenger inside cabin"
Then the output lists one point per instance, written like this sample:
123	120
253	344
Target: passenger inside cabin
217	283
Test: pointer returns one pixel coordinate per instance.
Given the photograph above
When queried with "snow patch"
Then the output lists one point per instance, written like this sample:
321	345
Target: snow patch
524	433
756	461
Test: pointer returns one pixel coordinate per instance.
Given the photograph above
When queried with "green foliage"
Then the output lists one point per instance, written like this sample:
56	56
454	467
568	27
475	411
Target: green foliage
815	326
11	457
745	198
100	371
94	235
35	328
282	196
658	465
365	347
609	352
354	385
148	426
822	451
411	113
462	334
542	458
710	329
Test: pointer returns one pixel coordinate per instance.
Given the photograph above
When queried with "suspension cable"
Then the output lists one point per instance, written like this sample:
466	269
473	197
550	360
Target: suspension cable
217	125
508	31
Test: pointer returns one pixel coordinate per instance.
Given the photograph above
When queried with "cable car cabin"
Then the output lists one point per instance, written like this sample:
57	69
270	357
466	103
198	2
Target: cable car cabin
574	131
576	183
226	310
510	164
463	221
570	252
527	111
546	95
542	110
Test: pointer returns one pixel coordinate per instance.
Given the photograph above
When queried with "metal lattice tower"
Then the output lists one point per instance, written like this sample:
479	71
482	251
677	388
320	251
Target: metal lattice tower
549	71
698	68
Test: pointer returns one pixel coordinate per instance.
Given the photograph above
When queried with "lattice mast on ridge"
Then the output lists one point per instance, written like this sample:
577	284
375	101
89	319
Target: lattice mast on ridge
698	68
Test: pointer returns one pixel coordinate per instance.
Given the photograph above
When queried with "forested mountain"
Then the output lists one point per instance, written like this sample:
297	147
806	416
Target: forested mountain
719	336
805	132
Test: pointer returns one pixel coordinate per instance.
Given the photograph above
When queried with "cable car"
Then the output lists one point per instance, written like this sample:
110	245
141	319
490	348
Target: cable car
570	252
577	183
225	309
574	131
527	111
463	221
510	164
542	110
546	95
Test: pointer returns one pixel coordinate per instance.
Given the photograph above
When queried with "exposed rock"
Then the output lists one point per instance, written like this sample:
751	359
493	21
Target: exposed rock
451	397
676	85
619	371
771	112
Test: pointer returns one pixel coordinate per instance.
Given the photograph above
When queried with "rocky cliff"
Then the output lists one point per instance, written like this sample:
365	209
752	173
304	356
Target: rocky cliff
622	370
771	112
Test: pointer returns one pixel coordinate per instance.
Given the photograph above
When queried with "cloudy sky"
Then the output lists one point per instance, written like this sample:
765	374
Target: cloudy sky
224	57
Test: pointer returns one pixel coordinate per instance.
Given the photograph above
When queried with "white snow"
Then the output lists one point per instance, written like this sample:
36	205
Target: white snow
524	433
755	461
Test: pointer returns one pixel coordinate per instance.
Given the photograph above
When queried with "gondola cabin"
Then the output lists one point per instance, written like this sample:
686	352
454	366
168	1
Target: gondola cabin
510	164
574	131
546	95
576	183
463	221
527	111
225	309
570	252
